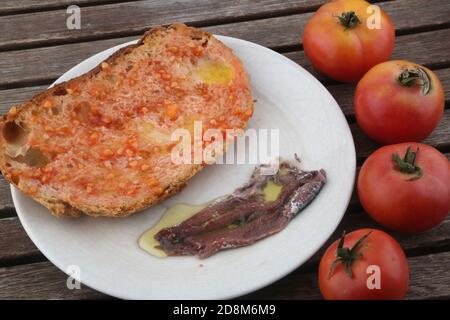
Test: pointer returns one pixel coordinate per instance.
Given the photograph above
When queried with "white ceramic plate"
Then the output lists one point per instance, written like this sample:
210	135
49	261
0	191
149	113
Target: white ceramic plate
311	124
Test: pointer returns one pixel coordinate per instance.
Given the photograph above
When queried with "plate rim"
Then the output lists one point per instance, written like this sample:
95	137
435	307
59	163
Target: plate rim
249	288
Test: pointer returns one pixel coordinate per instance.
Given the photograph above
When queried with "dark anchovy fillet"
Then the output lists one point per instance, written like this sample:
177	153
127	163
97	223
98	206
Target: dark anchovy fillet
244	217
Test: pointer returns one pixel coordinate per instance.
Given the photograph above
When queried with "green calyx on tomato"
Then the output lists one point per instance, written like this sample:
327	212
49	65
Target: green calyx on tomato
349	19
410	77
347	256
407	165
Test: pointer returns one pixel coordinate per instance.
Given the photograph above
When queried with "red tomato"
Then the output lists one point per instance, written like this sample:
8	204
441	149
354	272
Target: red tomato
399	101
406	190
369	264
338	41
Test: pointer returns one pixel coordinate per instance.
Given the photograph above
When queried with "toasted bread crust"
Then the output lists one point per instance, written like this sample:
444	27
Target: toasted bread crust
65	206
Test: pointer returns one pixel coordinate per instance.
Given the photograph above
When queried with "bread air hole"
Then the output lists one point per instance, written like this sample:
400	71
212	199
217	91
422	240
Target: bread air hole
15	179
55	111
33	158
60	91
14	133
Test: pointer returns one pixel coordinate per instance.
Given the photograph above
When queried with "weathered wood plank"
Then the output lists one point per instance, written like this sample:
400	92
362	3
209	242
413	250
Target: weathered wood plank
44	64
6	202
17	6
47	64
135	17
17	96
429	278
15	244
408	15
40	281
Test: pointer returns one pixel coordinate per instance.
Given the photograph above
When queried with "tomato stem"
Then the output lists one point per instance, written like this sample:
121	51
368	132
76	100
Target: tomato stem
349	19
408	165
347	256
415	76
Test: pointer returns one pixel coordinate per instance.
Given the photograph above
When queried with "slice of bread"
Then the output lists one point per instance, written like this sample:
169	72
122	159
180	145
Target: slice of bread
100	144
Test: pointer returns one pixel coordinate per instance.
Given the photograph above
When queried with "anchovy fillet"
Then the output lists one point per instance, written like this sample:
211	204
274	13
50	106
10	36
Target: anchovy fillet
243	217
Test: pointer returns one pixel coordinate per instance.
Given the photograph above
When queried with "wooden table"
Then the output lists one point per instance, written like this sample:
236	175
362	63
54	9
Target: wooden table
36	47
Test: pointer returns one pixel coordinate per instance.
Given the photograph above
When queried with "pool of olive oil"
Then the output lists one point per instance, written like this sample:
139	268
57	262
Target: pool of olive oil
271	191
173	216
